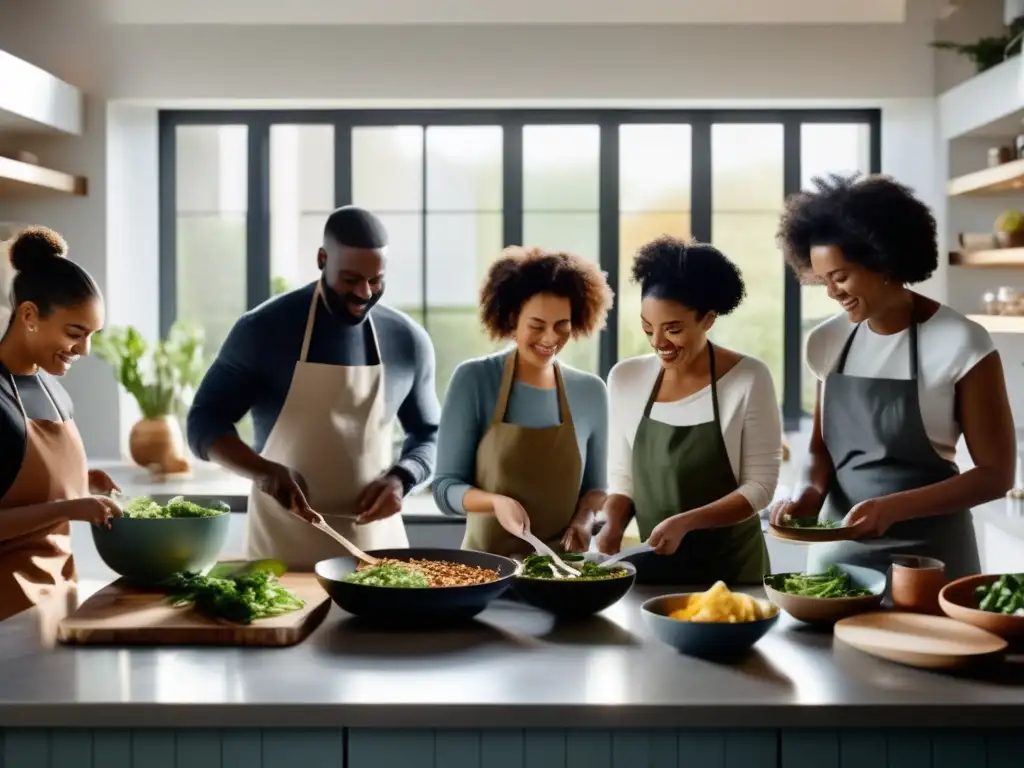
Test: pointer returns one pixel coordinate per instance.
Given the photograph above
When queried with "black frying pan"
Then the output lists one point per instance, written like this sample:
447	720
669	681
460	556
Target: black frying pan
411	607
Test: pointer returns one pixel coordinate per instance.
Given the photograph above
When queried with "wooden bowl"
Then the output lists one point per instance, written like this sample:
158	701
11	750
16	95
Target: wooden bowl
957	601
829	610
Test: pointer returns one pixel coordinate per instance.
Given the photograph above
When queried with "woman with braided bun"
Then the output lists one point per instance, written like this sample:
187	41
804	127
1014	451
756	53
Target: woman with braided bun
45	482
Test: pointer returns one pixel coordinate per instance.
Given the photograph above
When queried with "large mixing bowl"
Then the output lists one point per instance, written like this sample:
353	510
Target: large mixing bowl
150	551
415	607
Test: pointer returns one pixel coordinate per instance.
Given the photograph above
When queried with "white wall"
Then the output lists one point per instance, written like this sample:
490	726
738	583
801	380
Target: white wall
888	66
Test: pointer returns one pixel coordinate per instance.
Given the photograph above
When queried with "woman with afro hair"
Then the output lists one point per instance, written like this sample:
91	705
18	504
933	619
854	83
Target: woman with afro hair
696	436
523	438
901	378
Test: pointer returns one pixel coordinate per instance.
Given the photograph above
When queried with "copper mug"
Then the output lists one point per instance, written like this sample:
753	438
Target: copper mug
916	583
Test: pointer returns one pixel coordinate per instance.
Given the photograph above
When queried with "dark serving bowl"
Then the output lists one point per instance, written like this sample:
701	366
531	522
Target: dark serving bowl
415	607
150	551
571	598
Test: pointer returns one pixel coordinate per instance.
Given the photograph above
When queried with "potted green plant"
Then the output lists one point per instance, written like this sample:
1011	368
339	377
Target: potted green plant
161	380
988	52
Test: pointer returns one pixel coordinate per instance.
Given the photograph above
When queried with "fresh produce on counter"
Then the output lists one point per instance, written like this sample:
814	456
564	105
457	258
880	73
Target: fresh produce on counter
832	584
720	606
239	594
1004	595
542	567
144	508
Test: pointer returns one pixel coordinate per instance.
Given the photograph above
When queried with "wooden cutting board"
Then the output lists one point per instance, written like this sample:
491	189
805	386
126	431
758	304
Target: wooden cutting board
122	615
917	639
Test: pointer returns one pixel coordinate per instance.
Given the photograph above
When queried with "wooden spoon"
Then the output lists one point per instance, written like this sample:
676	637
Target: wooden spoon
352	548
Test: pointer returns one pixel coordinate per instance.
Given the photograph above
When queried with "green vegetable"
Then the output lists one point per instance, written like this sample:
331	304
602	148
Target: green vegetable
810	522
832	584
388	575
252	593
1005	595
144	508
540	567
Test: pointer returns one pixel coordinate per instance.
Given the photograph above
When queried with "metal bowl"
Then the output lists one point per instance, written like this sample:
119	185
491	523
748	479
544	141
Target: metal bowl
571	598
150	551
699	638
415	607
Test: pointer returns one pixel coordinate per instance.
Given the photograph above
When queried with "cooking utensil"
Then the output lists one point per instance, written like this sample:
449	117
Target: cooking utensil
958	601
628	552
356	551
408	607
918	639
124	614
544	549
569	598
828	610
705	639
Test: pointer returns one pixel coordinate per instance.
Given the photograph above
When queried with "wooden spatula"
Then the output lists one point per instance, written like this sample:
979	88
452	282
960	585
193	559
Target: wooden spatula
352	548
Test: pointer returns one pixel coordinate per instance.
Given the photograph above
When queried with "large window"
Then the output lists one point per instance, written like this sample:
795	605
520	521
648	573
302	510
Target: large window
245	194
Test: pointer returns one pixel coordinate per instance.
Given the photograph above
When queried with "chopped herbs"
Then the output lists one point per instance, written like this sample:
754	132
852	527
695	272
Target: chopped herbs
241	597
809	523
1005	595
834	583
388	575
541	567
144	508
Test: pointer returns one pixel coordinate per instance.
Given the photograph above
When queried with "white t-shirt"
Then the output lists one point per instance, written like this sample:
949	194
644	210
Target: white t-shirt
749	412
949	346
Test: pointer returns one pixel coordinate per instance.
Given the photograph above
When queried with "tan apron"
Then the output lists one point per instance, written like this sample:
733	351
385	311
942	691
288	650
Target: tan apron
540	467
330	431
54	468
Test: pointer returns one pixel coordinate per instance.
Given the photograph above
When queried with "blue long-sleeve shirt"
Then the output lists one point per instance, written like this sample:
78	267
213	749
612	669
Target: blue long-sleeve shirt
468	408
253	372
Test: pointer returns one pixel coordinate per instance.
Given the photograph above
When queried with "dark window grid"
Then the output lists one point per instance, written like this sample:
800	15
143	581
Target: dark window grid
512	122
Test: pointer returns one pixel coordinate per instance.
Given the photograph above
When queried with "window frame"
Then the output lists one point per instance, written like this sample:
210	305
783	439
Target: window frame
258	122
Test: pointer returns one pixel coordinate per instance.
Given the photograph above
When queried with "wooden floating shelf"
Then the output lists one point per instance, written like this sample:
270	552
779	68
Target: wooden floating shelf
1000	323
998	257
1007	178
18	179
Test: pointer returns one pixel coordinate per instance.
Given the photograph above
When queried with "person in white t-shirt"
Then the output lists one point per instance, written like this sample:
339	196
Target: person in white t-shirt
901	378
695	436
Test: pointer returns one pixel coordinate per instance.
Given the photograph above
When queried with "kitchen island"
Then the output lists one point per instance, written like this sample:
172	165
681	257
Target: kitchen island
514	688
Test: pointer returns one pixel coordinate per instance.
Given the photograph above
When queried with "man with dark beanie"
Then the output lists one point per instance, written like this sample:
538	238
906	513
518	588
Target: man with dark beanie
325	371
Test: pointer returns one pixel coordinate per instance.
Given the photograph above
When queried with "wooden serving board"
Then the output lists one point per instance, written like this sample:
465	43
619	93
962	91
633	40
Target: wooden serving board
918	640
120	614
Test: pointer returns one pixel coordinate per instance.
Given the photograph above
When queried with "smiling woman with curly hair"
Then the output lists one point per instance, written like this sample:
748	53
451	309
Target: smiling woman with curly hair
695	436
901	378
522	439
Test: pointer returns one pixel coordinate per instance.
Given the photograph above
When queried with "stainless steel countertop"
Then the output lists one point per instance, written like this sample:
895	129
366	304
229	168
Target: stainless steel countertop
513	667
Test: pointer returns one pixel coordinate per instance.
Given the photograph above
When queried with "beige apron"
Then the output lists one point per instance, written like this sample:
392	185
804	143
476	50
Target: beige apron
540	467
331	431
54	469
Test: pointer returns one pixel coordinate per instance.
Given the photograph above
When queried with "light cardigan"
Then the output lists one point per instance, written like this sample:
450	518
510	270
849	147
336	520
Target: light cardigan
749	410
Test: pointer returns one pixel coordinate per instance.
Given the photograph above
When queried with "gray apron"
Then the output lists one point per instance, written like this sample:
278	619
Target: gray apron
875	434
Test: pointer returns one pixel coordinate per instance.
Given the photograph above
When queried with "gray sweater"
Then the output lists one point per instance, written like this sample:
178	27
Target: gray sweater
468	408
253	373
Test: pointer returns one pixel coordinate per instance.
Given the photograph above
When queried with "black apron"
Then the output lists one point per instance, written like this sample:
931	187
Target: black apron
676	469
875	435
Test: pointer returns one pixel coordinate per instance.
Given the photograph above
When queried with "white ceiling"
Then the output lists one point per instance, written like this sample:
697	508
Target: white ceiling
317	12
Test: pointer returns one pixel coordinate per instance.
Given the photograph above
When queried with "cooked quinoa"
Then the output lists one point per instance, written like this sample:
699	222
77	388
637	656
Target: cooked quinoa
442	573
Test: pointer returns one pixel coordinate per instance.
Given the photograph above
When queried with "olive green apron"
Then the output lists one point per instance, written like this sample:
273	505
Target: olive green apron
540	467
677	469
